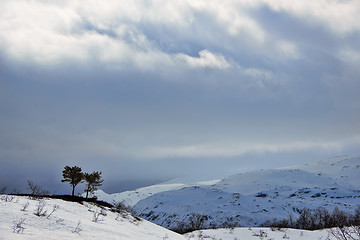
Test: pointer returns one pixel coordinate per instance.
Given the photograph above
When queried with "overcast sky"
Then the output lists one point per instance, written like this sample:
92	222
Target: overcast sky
146	91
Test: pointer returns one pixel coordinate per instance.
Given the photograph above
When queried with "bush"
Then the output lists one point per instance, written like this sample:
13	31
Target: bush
125	211
345	233
122	207
78	228
18	226
317	219
194	222
40	211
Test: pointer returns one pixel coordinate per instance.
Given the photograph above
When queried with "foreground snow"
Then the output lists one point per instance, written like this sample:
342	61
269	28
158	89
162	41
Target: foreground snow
63	223
259	233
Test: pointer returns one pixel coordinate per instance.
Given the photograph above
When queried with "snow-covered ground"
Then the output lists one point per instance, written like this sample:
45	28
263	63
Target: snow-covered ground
77	221
72	221
259	233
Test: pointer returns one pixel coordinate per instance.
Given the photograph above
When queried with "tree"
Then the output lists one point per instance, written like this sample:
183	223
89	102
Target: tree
36	189
93	181
33	187
73	175
197	221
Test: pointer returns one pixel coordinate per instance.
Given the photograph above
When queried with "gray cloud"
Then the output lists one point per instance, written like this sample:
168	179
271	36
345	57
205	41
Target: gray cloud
147	91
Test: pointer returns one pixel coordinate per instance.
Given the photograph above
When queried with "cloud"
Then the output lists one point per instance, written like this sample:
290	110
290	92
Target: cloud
340	17
257	73
233	17
205	59
120	36
288	50
350	56
91	32
171	82
220	150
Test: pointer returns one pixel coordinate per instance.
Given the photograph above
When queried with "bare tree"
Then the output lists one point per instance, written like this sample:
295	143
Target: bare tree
3	190
197	221
36	189
345	233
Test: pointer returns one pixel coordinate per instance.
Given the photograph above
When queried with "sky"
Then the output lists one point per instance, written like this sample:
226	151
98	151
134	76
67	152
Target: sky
150	90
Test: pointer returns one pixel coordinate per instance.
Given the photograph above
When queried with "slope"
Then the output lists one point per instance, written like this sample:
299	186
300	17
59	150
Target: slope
130	198
71	221
249	199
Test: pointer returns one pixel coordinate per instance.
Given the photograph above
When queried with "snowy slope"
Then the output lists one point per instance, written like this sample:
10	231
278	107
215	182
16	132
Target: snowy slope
249	199
63	222
334	172
256	233
287	179
130	198
345	170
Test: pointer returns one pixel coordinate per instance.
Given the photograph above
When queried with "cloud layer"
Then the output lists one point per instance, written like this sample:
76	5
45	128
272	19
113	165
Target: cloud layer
154	85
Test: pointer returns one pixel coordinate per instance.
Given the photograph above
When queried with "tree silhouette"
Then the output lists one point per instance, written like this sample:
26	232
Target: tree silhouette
73	175
93	181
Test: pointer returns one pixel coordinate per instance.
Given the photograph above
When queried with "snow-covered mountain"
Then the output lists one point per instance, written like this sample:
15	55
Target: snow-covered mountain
130	198
250	199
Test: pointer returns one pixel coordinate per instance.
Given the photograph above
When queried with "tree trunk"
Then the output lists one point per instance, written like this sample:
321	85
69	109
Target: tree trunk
73	190
87	193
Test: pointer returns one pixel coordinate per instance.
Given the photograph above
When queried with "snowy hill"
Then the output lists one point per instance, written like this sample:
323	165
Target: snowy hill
71	221
344	170
251	198
130	198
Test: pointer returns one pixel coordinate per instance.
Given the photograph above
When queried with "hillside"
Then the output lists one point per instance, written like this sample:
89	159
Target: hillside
71	221
130	198
249	199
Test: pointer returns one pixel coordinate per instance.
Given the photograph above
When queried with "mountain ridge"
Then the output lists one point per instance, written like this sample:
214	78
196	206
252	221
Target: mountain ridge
249	199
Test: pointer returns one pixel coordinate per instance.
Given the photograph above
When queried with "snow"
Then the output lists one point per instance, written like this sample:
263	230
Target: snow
254	182
130	198
256	233
345	170
252	198
62	223
249	198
